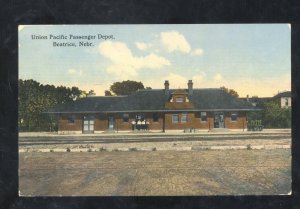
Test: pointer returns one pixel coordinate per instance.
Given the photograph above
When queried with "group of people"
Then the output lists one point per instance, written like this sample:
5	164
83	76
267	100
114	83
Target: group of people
140	125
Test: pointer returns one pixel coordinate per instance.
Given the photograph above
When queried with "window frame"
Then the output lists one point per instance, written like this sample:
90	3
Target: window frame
175	121
186	117
88	123
179	99
125	117
286	102
203	121
236	114
71	119
155	117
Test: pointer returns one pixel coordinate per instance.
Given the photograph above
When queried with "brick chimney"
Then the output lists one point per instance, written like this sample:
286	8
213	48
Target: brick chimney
167	87
190	87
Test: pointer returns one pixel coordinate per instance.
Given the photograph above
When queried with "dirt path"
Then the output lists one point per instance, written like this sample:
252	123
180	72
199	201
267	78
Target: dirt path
212	172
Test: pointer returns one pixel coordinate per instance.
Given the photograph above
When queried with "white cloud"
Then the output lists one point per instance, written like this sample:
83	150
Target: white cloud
123	72
73	71
197	52
174	41
124	64
152	61
117	52
142	46
197	79
218	77
176	80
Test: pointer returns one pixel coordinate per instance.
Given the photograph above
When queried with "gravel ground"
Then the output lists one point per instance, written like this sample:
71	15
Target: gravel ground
53	165
205	172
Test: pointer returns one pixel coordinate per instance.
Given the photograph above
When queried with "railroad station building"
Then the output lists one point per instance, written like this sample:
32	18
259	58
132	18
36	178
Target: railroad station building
155	110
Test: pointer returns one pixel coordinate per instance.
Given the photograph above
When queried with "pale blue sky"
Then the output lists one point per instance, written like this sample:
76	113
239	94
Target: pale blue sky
253	59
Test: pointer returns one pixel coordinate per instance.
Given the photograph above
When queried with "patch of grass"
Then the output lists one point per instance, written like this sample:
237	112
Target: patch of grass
116	150
51	150
249	147
89	150
154	149
133	149
68	149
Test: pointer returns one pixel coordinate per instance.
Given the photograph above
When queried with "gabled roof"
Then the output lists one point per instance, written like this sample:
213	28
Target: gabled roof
283	94
153	100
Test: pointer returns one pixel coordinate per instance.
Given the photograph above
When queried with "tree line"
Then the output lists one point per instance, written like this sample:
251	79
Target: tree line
35	98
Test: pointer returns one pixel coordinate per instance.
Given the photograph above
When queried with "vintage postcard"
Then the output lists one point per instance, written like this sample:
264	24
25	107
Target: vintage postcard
154	110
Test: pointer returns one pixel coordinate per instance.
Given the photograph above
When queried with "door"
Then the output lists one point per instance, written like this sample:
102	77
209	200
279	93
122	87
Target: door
111	122
88	124
219	120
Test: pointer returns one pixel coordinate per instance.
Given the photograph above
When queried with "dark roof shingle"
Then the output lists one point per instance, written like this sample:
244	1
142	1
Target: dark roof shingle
283	94
153	100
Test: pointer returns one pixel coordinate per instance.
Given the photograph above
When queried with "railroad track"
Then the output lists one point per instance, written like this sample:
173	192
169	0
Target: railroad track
88	139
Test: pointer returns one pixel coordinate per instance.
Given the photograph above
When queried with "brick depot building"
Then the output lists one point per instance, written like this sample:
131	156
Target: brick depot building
154	110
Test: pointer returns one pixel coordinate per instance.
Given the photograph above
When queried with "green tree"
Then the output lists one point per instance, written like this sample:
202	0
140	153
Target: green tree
271	115
126	87
75	93
91	93
230	91
274	116
107	93
35	99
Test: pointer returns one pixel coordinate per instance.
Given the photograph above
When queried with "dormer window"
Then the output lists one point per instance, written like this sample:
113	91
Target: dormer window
179	99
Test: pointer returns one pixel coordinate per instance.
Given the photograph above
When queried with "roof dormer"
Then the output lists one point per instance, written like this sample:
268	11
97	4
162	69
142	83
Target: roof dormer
179	100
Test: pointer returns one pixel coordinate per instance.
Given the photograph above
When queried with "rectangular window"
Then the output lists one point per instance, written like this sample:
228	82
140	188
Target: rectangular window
179	99
175	118
203	116
155	117
125	117
88	123
234	116
183	117
71	119
286	102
